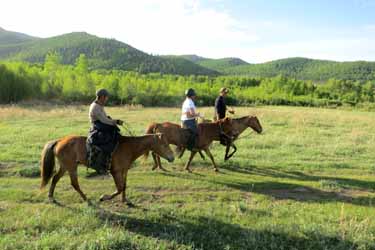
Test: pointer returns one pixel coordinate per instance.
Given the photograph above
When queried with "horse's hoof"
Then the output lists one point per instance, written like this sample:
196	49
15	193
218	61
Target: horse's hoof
217	170
129	204
163	169
189	170
51	200
104	197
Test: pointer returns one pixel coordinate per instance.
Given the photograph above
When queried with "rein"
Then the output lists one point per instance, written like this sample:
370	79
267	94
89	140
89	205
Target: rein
127	129
244	136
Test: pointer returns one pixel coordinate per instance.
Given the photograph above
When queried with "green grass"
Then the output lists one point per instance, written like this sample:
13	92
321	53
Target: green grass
308	182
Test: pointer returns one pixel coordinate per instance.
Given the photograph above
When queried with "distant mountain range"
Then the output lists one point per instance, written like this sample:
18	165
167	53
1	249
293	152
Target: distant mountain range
103	53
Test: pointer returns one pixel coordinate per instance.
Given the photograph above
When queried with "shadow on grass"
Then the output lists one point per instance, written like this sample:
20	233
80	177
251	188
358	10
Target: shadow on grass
210	233
300	176
283	190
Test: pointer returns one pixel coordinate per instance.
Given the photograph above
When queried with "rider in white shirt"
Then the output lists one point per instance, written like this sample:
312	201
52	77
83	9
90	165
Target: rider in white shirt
189	115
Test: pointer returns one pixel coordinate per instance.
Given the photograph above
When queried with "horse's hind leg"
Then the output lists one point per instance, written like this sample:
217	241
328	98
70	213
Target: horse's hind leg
55	179
74	182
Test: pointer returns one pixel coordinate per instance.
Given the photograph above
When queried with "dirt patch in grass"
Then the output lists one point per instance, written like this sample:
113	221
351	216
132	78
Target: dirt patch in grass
311	194
7	169
300	193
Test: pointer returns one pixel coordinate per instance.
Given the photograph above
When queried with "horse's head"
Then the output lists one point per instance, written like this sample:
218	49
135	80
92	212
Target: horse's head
254	123
162	148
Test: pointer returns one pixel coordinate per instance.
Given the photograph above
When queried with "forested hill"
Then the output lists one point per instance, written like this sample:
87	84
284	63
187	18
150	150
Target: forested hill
300	68
9	37
111	54
101	54
222	65
307	69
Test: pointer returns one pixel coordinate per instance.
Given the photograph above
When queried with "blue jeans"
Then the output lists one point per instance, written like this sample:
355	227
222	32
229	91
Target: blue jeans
192	126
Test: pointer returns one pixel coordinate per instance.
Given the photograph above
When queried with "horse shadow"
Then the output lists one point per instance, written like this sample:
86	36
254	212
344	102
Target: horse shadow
300	176
292	191
209	233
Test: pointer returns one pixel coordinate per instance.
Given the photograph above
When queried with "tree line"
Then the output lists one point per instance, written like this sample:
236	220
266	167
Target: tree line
76	83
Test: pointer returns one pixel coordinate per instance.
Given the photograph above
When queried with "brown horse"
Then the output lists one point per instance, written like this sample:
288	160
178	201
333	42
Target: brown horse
174	134
71	151
208	132
239	125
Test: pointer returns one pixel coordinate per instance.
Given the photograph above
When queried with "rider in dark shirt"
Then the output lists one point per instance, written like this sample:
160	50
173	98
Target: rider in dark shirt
220	106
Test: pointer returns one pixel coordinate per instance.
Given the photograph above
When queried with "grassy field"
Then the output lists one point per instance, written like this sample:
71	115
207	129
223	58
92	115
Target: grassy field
308	182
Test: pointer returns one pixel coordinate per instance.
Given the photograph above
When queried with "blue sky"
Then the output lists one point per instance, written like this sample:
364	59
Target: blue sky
254	30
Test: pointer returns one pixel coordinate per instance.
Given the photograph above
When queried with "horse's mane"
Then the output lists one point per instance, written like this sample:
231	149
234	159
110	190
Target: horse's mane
243	118
126	138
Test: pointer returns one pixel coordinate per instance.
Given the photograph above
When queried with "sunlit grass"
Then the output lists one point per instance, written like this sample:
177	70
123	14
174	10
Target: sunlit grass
306	183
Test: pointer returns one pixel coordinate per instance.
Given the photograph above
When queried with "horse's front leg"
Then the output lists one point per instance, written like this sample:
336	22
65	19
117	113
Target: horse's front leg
119	182
187	166
74	182
124	199
208	152
154	157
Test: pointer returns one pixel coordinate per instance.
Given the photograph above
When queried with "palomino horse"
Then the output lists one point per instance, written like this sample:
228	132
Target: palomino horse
71	151
208	132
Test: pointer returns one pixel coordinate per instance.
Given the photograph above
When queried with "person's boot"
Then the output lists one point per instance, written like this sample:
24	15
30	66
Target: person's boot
191	142
98	160
102	166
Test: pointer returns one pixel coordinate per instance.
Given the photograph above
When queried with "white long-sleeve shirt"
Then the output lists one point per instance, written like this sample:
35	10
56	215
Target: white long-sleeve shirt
97	113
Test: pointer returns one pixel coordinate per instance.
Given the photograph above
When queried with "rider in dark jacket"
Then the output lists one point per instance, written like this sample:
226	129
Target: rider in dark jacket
103	136
220	105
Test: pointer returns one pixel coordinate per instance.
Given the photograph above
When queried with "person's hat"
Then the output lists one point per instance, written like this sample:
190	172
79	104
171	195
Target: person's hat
224	90
190	92
102	92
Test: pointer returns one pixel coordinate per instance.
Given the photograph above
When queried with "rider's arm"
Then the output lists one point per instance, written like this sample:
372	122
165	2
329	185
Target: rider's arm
98	113
191	113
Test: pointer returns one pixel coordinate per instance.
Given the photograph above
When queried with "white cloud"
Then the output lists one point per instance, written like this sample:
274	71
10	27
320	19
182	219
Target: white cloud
184	27
159	27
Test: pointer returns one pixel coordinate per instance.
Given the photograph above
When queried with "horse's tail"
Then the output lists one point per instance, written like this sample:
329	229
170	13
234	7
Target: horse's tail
151	129
47	163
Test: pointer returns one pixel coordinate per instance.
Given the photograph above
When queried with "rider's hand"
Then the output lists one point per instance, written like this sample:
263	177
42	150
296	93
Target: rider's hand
119	122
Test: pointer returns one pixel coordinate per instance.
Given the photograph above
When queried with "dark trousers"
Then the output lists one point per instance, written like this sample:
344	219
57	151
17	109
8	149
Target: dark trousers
101	142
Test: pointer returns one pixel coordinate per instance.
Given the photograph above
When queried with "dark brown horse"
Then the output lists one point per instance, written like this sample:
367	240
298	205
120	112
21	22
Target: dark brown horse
71	151
208	132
